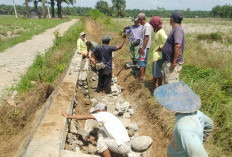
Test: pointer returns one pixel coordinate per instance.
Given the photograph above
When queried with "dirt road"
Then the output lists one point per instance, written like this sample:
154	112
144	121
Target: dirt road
15	60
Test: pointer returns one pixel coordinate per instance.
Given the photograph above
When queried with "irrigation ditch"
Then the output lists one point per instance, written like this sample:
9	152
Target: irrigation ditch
55	136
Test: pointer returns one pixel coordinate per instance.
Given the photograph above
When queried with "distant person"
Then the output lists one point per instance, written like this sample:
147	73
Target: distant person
103	54
117	141
134	40
173	49
90	47
145	44
192	127
81	45
160	38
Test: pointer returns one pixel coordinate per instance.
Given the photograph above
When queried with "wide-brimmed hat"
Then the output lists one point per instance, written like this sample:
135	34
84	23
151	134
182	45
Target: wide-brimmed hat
178	97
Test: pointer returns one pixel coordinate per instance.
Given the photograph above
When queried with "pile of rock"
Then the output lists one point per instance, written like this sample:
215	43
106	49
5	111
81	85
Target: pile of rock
115	88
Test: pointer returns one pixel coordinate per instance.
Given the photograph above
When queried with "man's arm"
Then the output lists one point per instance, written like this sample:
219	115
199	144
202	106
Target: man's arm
146	38
78	117
177	49
122	42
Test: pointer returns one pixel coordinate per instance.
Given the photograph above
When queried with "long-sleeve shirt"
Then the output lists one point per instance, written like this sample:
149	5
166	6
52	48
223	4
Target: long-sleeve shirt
189	132
81	46
135	32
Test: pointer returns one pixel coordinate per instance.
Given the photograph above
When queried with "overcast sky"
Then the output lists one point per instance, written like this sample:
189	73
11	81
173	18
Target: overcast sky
150	4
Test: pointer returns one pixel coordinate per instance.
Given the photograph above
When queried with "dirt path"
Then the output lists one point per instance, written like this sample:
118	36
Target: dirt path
15	60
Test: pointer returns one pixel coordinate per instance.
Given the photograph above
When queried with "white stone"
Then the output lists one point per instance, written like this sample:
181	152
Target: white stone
126	115
94	101
141	143
91	110
133	126
90	124
115	80
131	111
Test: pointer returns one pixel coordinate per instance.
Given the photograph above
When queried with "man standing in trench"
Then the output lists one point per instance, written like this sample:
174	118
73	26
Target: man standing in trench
145	44
103	54
117	141
173	49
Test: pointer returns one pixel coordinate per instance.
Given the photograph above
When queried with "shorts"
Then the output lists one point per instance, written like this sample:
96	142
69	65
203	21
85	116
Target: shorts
109	143
143	63
171	76
157	70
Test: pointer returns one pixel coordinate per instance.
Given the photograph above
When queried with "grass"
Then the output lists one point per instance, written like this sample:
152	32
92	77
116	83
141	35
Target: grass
207	70
14	31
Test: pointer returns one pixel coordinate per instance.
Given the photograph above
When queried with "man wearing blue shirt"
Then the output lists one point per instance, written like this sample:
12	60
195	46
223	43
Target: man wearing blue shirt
135	36
192	127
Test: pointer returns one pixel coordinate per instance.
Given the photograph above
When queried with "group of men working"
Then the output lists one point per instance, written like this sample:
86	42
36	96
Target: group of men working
192	127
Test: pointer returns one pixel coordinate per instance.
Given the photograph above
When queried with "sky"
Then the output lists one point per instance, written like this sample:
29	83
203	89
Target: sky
150	4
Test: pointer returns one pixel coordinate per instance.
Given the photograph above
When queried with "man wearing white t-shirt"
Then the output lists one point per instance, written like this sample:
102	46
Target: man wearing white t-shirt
145	44
117	141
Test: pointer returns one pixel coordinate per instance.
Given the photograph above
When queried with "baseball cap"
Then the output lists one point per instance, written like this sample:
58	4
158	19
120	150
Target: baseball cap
82	33
100	106
141	16
177	15
106	38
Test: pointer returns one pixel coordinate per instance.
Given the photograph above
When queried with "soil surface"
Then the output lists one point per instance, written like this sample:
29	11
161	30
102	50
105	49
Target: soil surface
15	60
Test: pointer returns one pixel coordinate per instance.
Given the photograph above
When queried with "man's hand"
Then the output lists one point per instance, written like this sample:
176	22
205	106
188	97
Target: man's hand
142	52
64	114
173	65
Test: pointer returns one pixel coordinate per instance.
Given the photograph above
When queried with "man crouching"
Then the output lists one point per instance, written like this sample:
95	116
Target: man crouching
117	141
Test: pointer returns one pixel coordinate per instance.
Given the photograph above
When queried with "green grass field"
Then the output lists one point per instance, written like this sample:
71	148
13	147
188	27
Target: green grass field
207	70
14	31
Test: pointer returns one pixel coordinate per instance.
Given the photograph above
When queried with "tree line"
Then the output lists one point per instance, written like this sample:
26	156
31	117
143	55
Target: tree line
116	10
224	11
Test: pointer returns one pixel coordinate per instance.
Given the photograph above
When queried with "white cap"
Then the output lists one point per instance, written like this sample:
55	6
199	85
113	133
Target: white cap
100	106
82	33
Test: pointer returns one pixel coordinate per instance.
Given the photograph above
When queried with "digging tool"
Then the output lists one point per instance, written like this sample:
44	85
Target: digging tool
127	66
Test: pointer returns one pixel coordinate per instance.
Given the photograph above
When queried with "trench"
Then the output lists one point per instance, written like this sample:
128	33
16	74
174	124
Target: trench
86	98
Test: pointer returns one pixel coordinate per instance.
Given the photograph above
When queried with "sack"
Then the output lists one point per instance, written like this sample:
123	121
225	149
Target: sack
100	66
136	42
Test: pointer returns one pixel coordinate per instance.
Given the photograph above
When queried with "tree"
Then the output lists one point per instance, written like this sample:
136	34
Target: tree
26	7
16	14
43	9
103	7
53	6
119	7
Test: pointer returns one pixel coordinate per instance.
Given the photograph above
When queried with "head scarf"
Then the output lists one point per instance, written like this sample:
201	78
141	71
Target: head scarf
156	23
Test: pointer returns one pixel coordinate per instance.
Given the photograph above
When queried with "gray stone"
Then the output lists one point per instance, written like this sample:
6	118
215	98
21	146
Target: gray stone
82	133
126	115
141	143
90	124
115	80
92	149
94	101
122	107
72	127
131	111
133	126
91	110
94	78
114	89
131	132
79	143
94	84
116	113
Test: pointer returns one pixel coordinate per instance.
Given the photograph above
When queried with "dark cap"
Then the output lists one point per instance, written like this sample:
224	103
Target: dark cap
135	19
177	16
106	38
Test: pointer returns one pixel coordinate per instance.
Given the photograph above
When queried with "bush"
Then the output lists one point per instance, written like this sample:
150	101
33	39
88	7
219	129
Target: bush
212	36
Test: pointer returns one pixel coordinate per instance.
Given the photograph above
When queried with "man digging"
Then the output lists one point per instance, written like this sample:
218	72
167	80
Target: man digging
117	141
